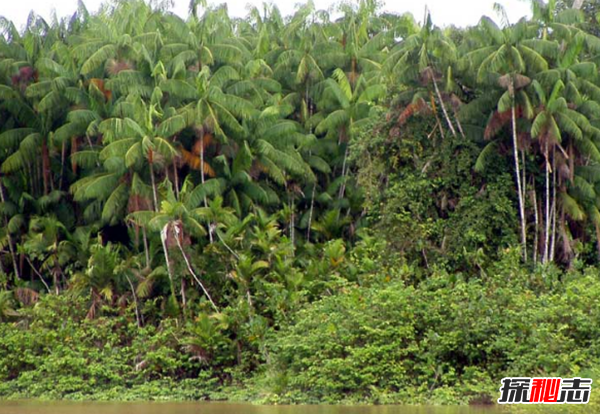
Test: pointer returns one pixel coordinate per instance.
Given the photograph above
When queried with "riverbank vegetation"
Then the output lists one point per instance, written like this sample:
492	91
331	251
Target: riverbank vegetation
344	207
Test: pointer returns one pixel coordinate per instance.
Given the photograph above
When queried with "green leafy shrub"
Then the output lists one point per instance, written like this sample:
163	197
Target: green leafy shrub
446	340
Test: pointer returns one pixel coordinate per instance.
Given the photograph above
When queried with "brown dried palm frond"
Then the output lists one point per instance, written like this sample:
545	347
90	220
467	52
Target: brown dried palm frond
497	121
99	83
202	142
418	107
518	81
194	162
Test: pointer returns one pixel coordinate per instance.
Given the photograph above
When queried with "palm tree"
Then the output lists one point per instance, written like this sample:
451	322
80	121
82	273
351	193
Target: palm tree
101	277
176	221
350	105
218	217
42	244
550	124
421	56
244	274
208	108
508	59
114	42
202	41
359	51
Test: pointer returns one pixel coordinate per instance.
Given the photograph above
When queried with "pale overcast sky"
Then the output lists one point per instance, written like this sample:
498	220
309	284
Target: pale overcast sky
444	12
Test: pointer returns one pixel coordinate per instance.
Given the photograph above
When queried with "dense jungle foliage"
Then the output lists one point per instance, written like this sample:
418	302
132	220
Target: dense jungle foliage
335	206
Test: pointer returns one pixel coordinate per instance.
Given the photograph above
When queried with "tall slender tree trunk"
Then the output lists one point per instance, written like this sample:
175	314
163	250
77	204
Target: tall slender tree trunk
459	124
163	234
578	4
291	224
183	296
566	242
435	113
154	190
537	223
191	270
553	213
38	275
519	187
224	243
11	247
163	239
344	173
135	301
548	219
56	284
524	174
442	105
146	249
202	179
176	179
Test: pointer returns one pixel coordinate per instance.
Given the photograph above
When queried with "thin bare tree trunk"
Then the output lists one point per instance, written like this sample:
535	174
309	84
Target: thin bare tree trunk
39	275
56	286
566	243
154	191
146	249
443	106
163	234
223	241
344	173
537	224
163	238
249	297
202	179
135	301
435	113
518	175
553	242
183	297
548	219
459	125
524	175
191	270
578	4
176	179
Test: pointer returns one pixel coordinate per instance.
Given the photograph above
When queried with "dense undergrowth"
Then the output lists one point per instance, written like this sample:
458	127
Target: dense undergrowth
380	339
301	210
